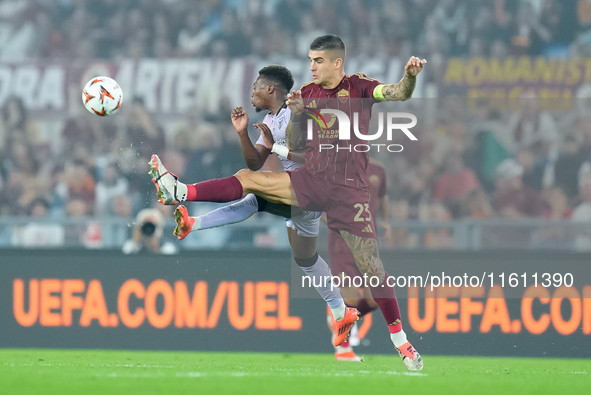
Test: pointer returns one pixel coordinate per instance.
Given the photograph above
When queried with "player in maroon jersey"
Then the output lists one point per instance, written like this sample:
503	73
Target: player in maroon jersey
342	261
331	181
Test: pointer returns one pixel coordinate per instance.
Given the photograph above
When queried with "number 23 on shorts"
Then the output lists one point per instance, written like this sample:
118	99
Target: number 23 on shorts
361	209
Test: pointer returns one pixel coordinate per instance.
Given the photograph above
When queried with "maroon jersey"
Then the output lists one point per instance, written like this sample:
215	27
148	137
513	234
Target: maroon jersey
340	166
377	190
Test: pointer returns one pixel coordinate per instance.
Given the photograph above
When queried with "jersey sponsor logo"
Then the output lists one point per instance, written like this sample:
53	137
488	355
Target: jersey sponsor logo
317	117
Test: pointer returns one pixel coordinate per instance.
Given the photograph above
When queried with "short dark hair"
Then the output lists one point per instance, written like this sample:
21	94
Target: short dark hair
329	42
278	75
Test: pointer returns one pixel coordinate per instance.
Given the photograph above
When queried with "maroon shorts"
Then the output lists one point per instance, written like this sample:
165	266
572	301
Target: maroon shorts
346	208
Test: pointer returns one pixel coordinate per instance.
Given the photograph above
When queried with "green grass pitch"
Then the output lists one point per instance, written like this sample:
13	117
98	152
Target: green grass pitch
32	371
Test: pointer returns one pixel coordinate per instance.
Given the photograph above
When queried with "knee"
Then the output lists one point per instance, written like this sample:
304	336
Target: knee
245	178
243	174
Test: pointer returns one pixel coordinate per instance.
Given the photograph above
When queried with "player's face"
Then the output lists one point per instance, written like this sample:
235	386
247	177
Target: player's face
323	69
259	94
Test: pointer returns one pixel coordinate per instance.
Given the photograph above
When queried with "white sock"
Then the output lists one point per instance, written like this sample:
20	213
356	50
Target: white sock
398	338
230	214
196	224
338	313
341	349
318	272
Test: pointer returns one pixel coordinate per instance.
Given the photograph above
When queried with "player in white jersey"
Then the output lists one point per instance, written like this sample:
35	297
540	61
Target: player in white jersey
270	93
305	223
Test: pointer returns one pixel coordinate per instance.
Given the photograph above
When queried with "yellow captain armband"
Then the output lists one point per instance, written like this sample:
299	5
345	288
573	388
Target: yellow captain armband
378	93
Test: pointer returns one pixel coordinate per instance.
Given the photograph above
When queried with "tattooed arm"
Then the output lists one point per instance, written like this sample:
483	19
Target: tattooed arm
403	89
400	91
295	134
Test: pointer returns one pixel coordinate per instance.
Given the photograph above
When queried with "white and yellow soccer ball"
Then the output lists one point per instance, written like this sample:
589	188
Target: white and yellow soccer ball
102	96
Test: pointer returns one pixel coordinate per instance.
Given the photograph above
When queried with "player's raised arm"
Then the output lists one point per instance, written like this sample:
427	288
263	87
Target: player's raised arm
281	150
295	134
403	90
255	157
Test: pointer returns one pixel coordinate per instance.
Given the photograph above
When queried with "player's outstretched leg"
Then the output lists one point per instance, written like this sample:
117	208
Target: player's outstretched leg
367	258
274	187
171	191
227	215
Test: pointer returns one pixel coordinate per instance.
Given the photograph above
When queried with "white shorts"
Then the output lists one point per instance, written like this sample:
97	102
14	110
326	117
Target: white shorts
306	224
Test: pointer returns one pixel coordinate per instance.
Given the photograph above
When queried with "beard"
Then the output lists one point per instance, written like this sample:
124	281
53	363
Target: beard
258	109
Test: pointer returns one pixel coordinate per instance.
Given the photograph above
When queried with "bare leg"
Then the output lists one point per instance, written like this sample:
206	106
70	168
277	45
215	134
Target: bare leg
275	187
302	247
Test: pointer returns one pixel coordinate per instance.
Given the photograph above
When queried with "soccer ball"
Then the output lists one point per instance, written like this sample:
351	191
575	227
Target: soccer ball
102	96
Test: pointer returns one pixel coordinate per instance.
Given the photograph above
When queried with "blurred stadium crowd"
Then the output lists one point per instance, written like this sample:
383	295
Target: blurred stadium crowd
234	28
482	163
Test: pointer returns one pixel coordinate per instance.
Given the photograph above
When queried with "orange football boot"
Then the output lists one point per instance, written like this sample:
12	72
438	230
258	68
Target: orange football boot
342	327
184	223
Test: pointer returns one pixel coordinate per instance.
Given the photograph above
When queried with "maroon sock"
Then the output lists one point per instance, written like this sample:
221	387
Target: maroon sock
220	190
363	307
385	297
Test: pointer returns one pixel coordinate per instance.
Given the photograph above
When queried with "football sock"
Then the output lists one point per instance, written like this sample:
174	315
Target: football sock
220	190
398	338
338	312
363	307
385	297
231	214
344	347
318	271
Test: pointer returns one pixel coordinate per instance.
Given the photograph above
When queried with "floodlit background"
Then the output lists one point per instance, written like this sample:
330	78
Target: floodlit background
504	147
498	186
